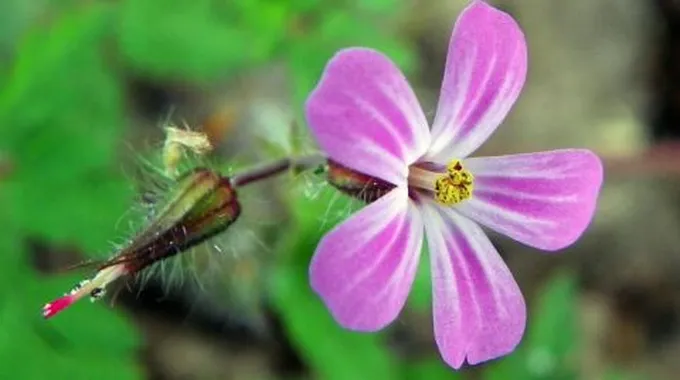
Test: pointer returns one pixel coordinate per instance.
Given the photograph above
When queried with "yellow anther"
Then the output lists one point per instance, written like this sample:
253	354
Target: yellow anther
455	186
177	141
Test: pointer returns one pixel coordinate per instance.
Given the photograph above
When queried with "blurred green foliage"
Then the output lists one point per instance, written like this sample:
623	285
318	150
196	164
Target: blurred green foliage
198	40
62	124
61	118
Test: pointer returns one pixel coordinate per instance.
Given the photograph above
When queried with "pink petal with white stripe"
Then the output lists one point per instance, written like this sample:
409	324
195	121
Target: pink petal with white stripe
365	116
485	70
479	311
363	269
545	200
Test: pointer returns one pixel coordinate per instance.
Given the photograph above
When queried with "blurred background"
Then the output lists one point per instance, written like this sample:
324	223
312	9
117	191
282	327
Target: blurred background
86	86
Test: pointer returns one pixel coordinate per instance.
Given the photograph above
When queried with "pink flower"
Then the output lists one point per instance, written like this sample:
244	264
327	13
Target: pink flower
365	116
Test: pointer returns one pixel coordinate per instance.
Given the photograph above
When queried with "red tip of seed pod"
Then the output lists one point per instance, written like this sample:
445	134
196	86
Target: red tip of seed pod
51	309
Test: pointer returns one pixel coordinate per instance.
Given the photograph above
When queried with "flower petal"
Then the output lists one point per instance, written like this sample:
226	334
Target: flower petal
545	200
485	70
364	114
479	311
364	268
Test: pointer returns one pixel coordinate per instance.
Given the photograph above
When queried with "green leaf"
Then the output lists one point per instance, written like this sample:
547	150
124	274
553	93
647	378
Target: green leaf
196	40
91	341
345	29
9	250
305	6
430	369
61	96
550	340
513	366
308	54
60	113
420	298
333	353
378	6
62	122
554	328
618	374
316	212
83	211
16	17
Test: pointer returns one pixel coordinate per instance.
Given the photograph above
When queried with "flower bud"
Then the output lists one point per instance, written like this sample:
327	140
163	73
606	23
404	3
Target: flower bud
358	185
201	205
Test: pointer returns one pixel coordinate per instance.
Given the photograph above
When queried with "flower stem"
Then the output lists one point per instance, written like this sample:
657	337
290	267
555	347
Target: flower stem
277	167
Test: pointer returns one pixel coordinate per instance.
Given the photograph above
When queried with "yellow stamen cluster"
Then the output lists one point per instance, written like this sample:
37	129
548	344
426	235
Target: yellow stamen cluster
455	186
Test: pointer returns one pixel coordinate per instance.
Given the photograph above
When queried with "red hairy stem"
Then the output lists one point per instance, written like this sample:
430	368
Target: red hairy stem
275	168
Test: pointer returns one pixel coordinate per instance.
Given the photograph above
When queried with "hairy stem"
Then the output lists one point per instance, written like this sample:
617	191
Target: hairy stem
277	167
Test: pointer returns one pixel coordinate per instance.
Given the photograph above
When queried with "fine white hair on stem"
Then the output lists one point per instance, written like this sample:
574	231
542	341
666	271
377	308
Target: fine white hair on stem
138	261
